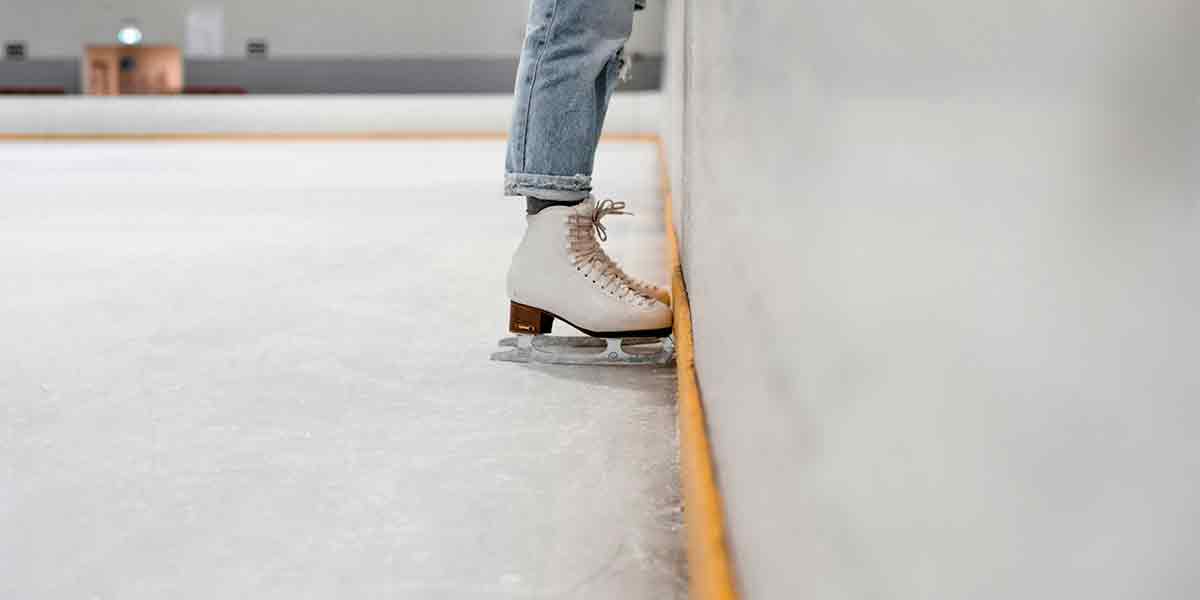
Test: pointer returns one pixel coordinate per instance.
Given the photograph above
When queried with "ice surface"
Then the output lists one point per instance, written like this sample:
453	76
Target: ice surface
261	371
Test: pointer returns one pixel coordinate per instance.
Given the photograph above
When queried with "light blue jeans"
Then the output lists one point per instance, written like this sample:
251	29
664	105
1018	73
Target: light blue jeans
573	53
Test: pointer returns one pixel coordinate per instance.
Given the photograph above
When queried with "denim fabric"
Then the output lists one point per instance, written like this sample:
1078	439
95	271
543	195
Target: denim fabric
573	52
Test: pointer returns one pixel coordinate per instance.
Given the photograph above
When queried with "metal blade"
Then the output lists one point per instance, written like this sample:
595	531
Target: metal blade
575	350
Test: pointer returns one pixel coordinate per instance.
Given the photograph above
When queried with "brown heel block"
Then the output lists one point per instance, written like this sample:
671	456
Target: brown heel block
527	319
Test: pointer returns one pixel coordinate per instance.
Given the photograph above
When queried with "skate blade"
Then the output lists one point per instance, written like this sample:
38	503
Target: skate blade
578	341
576	350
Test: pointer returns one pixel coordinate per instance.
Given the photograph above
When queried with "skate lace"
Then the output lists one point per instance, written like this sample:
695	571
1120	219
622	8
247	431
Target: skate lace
591	260
610	207
604	208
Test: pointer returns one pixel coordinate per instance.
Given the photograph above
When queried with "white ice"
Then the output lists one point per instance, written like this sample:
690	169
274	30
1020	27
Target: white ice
250	370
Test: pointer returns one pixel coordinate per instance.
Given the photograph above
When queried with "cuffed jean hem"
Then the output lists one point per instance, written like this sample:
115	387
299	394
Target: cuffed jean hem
548	187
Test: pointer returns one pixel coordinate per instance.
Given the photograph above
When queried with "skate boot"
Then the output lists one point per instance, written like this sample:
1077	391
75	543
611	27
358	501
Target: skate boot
560	272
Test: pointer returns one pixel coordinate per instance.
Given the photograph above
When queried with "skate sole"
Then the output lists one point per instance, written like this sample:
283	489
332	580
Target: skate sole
531	320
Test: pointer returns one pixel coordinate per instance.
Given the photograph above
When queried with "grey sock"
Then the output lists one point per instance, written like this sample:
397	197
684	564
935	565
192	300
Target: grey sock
534	206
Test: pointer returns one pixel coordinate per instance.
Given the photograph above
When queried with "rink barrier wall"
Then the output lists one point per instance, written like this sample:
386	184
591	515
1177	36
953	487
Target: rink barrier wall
300	115
710	571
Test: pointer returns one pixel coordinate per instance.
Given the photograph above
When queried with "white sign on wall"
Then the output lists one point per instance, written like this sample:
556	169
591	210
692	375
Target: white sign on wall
205	31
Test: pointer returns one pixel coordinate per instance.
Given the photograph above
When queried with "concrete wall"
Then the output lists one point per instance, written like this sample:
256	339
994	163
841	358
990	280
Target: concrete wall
944	259
482	28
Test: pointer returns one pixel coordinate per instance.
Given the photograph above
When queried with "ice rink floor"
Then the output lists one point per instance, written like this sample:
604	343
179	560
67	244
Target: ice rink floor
260	370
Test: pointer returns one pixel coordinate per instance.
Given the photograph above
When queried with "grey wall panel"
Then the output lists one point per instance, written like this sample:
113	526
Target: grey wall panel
944	261
41	73
364	28
412	76
332	76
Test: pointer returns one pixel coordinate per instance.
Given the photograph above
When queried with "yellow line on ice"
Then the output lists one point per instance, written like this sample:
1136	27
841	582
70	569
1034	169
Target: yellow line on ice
336	136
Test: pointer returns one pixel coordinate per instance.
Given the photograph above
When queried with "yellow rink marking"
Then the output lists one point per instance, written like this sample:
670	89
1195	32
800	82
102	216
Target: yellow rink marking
364	136
710	573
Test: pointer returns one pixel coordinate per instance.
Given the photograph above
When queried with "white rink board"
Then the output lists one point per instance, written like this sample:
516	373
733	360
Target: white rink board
628	113
261	370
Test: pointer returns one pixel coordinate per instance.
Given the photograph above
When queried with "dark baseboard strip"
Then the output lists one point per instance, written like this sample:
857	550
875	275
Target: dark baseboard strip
327	76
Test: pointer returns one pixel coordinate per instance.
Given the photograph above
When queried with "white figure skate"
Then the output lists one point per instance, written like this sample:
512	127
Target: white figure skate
560	272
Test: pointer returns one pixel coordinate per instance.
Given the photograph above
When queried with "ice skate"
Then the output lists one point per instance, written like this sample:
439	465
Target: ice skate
560	272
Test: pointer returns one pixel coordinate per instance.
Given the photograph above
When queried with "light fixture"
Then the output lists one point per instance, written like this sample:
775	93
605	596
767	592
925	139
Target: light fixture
129	34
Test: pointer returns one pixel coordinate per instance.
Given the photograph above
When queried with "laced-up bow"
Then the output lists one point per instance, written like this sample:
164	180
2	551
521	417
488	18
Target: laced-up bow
604	208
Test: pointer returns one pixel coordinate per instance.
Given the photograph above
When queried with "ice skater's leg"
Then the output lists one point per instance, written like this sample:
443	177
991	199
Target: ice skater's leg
570	64
569	67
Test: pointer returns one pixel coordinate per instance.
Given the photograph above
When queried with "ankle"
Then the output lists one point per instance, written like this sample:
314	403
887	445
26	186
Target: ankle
534	206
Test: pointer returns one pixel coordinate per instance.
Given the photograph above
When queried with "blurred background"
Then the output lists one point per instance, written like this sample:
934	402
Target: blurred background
436	55
372	47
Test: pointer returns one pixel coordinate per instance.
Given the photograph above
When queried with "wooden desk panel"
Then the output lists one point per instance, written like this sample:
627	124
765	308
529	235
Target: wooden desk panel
117	70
